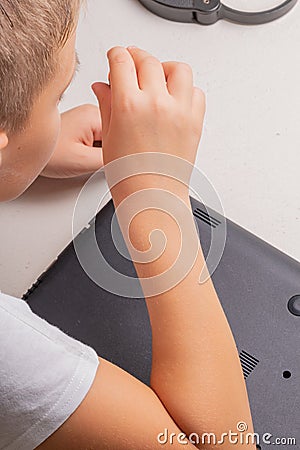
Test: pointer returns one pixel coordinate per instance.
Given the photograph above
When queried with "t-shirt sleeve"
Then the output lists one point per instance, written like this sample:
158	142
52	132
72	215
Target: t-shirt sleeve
44	376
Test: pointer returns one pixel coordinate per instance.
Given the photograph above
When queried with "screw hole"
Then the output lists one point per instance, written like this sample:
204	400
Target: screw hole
286	374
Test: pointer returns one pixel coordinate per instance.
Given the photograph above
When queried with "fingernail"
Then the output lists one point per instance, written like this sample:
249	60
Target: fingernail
131	47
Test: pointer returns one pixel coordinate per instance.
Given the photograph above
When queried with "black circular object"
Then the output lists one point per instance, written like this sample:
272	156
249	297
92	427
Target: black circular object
294	305
286	374
207	12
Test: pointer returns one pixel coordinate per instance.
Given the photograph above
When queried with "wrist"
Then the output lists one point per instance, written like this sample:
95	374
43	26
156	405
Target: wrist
155	184
163	243
170	213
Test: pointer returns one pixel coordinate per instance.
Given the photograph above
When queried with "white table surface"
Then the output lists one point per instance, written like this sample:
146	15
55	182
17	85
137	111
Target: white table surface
251	143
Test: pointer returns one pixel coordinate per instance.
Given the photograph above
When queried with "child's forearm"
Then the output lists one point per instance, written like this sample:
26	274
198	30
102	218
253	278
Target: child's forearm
195	369
152	122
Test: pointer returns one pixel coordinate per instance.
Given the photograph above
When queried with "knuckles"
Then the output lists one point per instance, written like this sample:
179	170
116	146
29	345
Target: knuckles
184	67
117	55
151	60
144	105
127	104
160	105
164	107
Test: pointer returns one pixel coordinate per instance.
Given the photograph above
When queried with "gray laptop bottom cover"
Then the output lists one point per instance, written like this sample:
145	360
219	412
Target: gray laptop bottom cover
258	286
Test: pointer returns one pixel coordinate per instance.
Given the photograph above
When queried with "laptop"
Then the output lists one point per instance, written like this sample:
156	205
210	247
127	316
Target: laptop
259	289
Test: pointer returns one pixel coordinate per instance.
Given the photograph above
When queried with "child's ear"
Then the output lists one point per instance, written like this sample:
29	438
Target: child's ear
3	143
3	140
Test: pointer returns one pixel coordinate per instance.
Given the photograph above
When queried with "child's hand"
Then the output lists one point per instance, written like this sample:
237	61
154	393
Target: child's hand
74	153
149	107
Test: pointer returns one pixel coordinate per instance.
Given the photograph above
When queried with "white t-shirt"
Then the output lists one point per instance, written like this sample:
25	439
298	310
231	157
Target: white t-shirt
44	376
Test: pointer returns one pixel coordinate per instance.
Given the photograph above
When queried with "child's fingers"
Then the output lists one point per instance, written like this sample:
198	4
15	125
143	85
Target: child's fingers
123	76
180	82
103	94
89	159
90	119
151	76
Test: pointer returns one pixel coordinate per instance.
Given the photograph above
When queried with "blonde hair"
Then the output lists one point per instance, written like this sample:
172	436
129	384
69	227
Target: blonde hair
31	33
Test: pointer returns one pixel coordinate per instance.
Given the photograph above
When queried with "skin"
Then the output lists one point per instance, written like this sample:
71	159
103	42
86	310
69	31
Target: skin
197	383
52	144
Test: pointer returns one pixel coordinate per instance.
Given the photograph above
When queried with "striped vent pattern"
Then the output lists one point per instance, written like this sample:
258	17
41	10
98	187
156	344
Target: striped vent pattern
249	362
205	217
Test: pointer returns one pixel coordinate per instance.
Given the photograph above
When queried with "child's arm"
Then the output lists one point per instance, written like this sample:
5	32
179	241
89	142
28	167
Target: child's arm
196	370
197	382
118	413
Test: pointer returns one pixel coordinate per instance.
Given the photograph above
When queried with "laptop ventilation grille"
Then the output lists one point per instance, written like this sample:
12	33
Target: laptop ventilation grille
248	362
205	217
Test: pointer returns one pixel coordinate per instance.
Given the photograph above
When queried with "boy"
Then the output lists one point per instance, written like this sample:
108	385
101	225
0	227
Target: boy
55	392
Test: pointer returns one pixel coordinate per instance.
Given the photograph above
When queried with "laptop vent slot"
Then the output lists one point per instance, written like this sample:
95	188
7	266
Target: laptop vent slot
248	362
206	218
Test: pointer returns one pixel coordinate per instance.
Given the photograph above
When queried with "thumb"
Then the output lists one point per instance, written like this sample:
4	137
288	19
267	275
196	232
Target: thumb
103	94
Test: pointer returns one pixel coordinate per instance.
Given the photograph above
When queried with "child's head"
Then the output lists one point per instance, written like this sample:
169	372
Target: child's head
37	62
